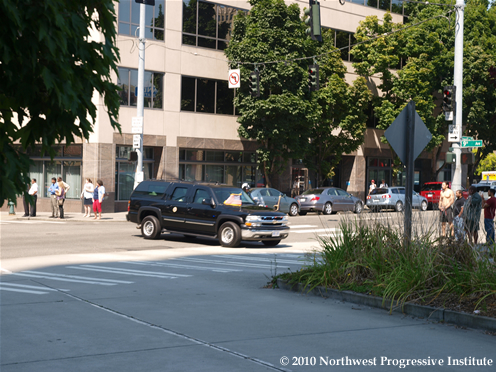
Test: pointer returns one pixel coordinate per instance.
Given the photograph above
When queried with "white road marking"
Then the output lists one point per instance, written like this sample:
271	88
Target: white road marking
332	229
178	266
31	287
274	259
21	290
32	222
70	278
5	270
228	263
121	271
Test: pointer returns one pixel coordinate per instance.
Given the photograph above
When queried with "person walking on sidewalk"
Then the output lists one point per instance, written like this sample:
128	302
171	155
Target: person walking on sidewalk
98	196
53	198
472	212
87	196
458	216
33	191
446	201
60	198
489	212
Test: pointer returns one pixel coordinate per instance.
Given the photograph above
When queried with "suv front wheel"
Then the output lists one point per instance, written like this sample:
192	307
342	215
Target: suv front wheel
230	234
150	227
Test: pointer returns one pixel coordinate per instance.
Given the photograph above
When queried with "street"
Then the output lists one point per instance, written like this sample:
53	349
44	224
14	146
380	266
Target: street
82	296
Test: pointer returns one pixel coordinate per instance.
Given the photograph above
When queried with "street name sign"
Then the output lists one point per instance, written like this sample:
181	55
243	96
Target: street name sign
471	143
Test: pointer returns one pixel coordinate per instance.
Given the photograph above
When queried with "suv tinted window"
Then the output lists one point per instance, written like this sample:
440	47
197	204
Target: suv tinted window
179	194
151	189
200	195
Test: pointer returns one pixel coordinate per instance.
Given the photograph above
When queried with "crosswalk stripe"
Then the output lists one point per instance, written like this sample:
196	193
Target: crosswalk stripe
128	271
21	290
79	277
179	266
275	259
61	279
316	230
31	287
228	263
32	222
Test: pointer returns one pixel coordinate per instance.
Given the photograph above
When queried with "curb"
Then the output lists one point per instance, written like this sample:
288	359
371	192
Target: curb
419	311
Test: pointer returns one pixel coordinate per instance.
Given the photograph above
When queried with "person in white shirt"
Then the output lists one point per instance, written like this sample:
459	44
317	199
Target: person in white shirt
383	185
33	191
98	196
372	186
87	194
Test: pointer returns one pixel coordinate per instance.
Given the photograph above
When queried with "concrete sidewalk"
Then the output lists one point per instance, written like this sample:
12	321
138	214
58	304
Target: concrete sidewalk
69	217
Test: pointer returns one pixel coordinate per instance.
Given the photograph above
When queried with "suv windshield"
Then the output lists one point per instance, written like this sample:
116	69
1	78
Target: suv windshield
232	196
431	187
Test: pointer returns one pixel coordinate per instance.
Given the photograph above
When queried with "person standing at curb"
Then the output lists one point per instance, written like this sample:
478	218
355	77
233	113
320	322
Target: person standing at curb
383	184
446	201
458	216
372	186
98	196
472	212
66	186
489	212
33	191
53	198
87	194
60	198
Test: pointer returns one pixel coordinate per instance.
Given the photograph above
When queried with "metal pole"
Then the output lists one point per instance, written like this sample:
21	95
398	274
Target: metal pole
138	177
410	173
456	183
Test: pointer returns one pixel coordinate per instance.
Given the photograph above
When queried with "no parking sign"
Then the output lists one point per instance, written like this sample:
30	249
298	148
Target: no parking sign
234	78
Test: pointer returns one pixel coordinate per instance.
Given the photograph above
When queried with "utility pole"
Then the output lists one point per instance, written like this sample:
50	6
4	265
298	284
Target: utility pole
138	176
456	183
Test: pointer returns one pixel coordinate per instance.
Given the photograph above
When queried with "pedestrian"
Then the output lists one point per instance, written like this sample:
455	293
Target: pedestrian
98	196
446	201
60	198
53	198
87	196
383	185
472	212
33	191
458	222
489	212
66	186
372	186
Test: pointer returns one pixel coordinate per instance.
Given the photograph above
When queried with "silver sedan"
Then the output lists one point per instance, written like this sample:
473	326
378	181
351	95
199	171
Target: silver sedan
393	198
328	200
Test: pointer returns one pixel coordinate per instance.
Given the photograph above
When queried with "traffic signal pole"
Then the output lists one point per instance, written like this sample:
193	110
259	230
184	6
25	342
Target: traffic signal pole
138	176
456	182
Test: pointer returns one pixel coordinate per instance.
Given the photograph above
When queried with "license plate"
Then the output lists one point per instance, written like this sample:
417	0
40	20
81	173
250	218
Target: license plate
430	195
376	200
303	199
276	233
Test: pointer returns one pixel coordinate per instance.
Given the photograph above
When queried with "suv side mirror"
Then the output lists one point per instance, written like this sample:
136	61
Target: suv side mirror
208	201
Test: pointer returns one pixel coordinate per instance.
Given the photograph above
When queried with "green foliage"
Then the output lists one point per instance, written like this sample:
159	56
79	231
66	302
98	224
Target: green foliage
487	164
286	116
373	257
48	74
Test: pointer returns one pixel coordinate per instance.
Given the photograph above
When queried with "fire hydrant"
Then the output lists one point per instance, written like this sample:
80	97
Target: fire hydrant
11	207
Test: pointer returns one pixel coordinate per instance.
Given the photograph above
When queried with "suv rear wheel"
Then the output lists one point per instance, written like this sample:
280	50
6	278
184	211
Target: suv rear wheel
229	234
150	227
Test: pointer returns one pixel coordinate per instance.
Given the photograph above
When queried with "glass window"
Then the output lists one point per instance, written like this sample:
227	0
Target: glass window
343	41
189	16
206	19
214	173
188	93
332	192
124	180
191	172
234	156
372	3
217	156
36	171
401	191
148	88
52	170
133	101
225	97
152	189
179	194
200	194
385	4
205	95
397	6
129	18
72	175
233	175
158	90
341	192
394	191
196	155
273	192
123	84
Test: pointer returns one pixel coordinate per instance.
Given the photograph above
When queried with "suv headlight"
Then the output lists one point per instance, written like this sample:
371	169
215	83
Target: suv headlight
253	221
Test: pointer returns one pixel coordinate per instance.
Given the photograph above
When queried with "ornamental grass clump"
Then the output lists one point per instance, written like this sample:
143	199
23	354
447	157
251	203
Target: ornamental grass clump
372	256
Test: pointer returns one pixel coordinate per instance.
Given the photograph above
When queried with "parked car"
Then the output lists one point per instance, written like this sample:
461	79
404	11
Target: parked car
432	192
394	198
269	197
484	186
328	200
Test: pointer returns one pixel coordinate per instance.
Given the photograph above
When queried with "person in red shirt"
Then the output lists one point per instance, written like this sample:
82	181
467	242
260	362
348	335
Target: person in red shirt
489	212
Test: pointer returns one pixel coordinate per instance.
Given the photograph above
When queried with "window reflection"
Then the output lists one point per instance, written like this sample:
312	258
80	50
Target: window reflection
128	82
129	18
206	95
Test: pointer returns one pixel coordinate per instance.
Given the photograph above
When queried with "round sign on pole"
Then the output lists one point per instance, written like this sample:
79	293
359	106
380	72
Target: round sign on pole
234	78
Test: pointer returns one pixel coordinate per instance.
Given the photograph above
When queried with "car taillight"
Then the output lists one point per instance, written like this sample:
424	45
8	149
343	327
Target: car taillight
128	205
369	197
315	198
386	196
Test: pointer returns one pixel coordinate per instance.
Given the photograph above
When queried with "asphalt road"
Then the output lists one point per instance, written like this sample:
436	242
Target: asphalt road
78	296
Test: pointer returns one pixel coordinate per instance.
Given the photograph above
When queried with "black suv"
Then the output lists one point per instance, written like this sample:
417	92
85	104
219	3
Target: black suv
192	209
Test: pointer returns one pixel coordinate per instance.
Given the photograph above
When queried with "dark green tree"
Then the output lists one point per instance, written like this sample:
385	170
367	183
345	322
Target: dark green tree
49	71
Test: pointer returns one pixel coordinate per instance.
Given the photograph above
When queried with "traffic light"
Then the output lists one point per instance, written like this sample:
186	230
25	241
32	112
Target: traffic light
132	156
450	157
449	99
313	20
313	78
467	158
255	83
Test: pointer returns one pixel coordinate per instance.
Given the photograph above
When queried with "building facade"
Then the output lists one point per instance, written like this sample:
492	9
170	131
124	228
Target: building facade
190	122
